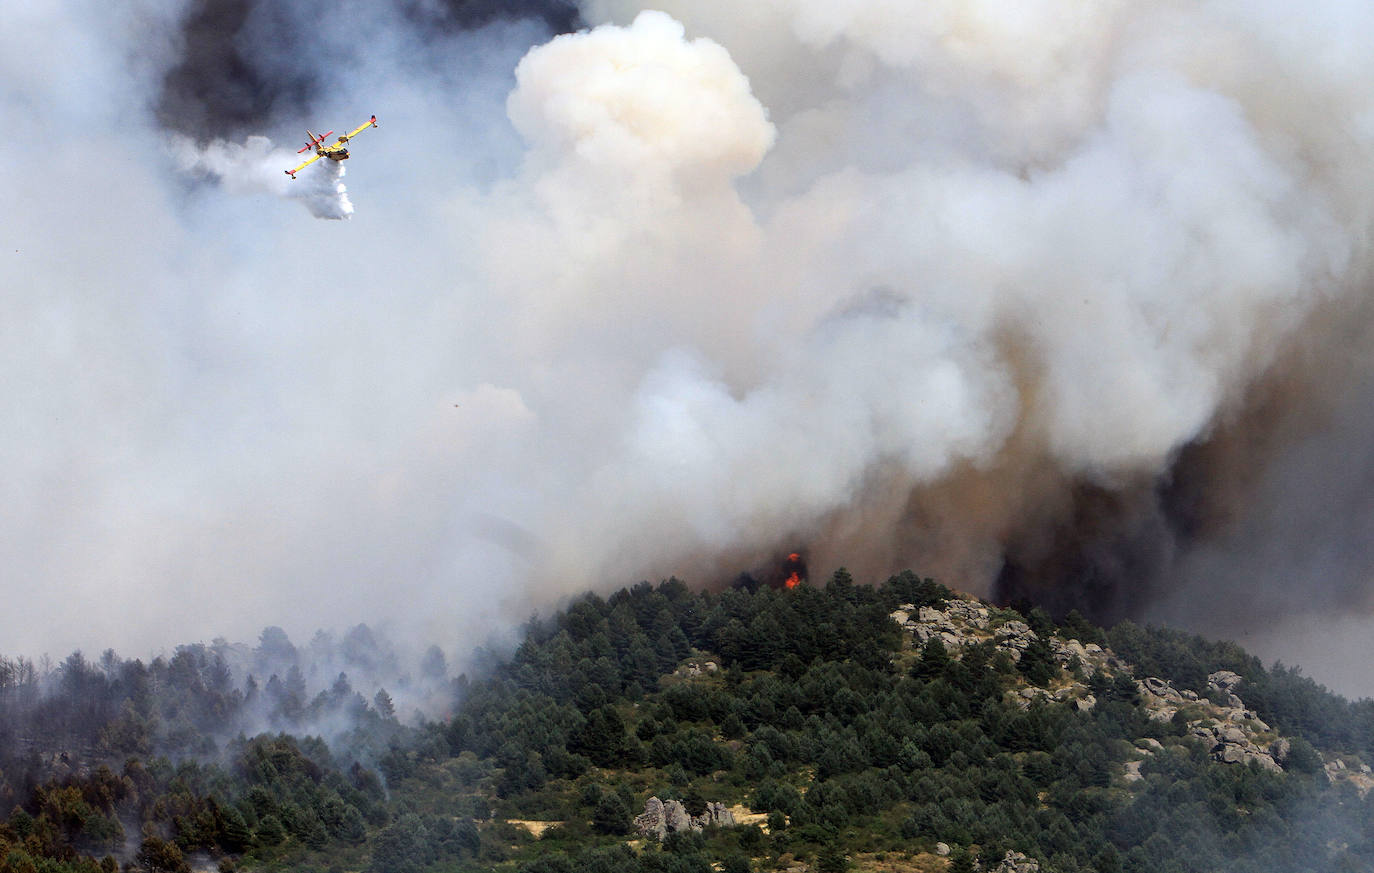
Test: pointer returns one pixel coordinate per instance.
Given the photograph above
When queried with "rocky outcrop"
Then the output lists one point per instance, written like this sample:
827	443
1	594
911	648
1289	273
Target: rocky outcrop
715	815
959	623
1161	698
1222	684
1231	733
1014	637
1090	656
693	669
1359	775
1015	862
1219	719
675	817
1232	744
1279	750
652	822
663	817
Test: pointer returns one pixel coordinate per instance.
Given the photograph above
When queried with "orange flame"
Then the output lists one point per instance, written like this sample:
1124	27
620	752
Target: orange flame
795	579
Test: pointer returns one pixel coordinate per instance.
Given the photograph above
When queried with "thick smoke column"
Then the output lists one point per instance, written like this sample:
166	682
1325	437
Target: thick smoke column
1032	263
1049	299
1045	292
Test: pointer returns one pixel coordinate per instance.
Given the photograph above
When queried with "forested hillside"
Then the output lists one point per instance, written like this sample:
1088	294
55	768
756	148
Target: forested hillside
887	727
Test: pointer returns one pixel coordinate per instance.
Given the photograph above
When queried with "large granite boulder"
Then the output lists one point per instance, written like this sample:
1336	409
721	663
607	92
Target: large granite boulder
1222	685
715	815
651	822
675	816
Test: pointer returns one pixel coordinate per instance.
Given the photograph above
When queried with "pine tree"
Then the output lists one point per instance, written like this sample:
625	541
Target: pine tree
382	703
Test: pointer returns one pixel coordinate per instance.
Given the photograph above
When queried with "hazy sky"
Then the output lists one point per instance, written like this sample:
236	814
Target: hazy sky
693	287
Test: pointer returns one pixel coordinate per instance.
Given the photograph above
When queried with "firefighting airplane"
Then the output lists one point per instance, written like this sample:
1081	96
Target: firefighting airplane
336	152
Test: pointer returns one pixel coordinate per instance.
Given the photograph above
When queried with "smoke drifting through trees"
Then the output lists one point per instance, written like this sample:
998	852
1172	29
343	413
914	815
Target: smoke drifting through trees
353	690
986	289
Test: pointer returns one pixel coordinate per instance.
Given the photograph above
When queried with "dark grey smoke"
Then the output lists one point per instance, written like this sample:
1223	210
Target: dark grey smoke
226	81
244	64
1266	517
559	16
1106	559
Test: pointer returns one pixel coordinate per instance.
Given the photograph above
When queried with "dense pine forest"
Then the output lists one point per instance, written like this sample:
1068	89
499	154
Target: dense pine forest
846	726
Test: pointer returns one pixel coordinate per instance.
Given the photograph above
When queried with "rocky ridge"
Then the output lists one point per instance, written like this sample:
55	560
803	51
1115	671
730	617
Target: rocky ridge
1232	733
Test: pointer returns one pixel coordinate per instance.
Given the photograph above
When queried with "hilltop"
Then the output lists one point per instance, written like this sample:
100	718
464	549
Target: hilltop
893	727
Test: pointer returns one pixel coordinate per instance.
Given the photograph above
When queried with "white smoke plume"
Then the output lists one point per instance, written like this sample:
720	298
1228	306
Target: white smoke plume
992	289
254	166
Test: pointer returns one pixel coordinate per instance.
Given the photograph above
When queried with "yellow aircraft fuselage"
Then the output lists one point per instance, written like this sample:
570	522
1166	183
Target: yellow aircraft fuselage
336	152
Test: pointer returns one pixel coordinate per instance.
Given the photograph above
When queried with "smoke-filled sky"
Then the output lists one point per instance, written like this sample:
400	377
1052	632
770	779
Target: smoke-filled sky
1058	299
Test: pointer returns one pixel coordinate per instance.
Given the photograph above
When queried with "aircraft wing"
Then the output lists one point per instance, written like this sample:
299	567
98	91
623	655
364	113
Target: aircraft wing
372	122
312	159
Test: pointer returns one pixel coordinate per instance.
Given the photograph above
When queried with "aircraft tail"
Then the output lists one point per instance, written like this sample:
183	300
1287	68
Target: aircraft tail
313	141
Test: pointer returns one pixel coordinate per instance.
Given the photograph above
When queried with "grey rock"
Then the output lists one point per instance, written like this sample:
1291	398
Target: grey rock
1279	750
1161	713
663	817
1224	680
1159	688
1015	633
942	849
1015	862
1265	762
716	815
1230	753
651	822
675	816
691	671
929	615
1224	683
